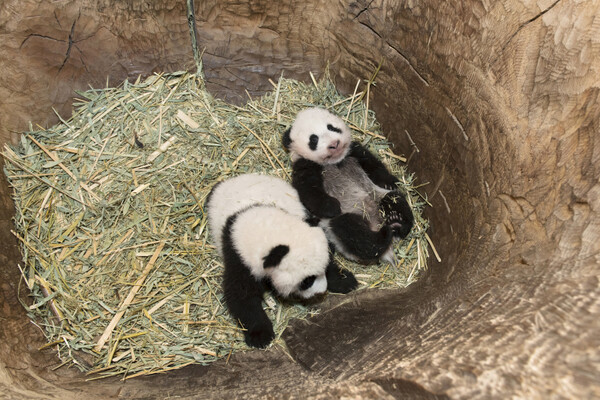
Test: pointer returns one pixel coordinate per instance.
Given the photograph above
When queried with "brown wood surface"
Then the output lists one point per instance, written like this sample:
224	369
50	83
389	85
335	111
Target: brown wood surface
501	99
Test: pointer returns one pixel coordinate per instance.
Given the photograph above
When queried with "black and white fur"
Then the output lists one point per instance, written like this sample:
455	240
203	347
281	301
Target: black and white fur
257	224
341	181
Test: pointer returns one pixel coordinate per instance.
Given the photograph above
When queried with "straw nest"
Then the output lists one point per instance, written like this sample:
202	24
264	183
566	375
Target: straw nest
110	218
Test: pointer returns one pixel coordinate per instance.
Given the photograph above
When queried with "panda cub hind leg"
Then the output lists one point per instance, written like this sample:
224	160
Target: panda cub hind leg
357	241
397	213
243	293
258	329
244	296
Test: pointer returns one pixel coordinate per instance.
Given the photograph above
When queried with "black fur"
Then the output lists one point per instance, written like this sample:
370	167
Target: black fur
357	237
286	140
307	179
210	194
397	213
275	256
374	168
312	220
307	282
394	206
351	230
313	142
244	294
333	128
339	280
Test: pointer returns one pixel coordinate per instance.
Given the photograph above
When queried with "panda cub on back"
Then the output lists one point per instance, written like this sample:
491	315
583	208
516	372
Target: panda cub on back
257	225
341	181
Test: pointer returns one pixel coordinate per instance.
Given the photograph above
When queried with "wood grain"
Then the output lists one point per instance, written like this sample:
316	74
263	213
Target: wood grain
501	98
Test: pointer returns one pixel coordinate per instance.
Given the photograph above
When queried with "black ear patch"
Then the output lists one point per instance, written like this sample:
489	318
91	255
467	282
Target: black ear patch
333	128
275	256
313	141
286	140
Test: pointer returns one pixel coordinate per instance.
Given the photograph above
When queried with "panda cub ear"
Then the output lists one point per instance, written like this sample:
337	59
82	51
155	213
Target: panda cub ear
286	139
275	256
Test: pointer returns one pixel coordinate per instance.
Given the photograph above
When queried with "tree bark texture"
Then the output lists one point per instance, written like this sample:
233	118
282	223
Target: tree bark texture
495	104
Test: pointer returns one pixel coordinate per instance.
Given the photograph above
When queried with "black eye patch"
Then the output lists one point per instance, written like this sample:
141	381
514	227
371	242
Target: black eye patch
313	141
333	128
307	282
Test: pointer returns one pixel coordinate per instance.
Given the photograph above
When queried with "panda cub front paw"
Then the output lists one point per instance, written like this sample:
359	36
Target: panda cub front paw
385	180
340	280
259	336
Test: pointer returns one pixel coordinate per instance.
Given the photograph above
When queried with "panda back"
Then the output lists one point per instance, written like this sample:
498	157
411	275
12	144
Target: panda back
243	191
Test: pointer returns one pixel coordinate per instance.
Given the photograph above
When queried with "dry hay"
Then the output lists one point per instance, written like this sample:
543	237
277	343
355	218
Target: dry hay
109	215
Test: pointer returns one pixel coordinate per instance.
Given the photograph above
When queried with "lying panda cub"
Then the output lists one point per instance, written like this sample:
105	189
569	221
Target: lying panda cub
341	181
257	224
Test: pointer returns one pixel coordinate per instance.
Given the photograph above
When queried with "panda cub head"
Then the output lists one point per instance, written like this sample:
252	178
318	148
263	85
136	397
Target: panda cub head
319	136
281	247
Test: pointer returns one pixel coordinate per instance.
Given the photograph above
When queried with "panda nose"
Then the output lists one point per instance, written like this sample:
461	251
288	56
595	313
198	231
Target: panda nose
334	145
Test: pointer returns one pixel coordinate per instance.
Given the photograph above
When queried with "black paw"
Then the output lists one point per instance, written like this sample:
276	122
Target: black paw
393	219
397	213
386	180
390	184
340	280
385	235
259	337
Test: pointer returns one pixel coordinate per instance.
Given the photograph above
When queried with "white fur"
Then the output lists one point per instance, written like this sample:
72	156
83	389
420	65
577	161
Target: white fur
314	121
270	214
259	229
240	192
351	193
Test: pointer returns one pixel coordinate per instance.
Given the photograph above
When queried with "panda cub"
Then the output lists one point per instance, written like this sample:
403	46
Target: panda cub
341	181
257	224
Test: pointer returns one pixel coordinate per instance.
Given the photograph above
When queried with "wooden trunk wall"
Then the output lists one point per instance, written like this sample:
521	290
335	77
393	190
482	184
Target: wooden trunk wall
499	97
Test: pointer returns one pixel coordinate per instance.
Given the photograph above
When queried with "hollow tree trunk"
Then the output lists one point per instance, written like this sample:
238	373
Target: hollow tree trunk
495	103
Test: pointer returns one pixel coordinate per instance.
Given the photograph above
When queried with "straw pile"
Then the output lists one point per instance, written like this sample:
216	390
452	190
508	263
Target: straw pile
109	215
